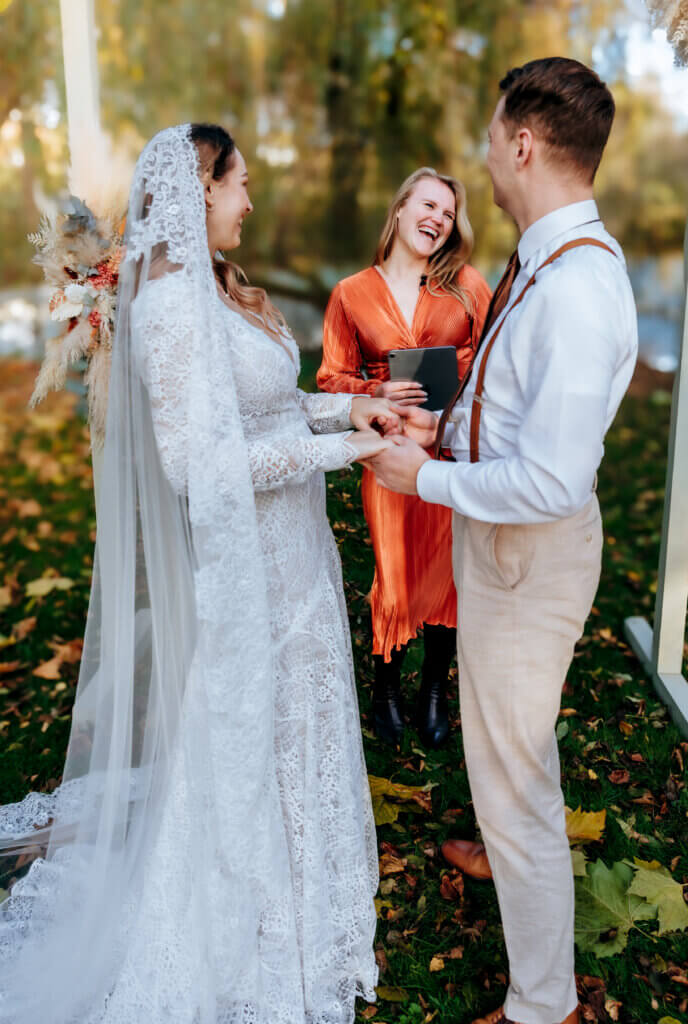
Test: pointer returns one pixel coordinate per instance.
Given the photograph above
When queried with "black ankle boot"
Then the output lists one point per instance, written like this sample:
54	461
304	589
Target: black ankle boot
388	707
432	710
432	713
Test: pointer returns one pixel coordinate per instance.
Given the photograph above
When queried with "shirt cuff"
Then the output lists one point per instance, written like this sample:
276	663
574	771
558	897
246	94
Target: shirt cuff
432	482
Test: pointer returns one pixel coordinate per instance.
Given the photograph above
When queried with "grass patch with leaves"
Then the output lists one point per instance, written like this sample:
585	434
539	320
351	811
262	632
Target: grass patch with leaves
439	943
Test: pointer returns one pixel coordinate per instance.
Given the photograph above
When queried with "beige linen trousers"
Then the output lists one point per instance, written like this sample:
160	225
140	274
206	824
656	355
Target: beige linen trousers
525	592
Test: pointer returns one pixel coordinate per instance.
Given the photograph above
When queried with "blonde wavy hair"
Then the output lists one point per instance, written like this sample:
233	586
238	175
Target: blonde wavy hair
216	149
445	264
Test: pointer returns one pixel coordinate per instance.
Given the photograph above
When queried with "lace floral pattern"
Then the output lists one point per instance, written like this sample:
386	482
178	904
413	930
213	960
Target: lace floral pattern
321	775
247	896
315	954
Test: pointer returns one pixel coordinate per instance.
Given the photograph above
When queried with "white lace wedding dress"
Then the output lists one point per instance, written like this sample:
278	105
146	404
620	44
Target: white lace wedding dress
292	437
332	874
311	887
209	857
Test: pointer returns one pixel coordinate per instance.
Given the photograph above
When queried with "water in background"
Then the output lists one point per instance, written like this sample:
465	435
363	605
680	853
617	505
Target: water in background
25	322
660	295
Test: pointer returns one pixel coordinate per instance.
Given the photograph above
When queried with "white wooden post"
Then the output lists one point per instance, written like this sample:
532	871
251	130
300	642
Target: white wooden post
83	110
661	650
81	82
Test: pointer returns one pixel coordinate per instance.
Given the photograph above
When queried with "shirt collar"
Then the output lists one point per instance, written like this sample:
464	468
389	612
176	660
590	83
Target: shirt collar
554	224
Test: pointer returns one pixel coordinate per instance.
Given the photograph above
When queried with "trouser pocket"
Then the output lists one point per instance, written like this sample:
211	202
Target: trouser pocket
512	549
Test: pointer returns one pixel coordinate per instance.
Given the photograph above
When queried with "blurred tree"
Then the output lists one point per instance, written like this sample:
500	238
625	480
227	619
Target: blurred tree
643	187
31	54
333	103
31	59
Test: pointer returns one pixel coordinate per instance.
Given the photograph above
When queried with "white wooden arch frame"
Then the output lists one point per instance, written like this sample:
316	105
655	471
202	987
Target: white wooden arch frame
661	649
81	81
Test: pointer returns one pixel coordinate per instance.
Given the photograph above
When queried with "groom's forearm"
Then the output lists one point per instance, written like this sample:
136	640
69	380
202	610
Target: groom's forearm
508	490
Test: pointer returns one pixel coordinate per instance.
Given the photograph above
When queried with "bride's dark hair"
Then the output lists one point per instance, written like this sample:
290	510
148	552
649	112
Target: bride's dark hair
216	149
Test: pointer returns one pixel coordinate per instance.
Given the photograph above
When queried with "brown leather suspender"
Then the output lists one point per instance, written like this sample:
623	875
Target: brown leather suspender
480	382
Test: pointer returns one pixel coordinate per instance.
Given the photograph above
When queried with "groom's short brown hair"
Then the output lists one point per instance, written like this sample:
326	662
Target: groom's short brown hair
566	104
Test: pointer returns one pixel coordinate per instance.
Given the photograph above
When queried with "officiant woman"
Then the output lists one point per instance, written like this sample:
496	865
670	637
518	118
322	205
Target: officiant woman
419	292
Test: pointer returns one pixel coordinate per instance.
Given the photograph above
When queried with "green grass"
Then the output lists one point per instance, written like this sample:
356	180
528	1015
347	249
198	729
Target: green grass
612	715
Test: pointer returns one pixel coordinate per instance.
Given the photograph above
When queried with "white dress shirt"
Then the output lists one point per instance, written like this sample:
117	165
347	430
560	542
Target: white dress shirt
554	381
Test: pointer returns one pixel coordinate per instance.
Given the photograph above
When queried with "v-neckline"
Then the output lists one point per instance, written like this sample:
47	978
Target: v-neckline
282	344
409	326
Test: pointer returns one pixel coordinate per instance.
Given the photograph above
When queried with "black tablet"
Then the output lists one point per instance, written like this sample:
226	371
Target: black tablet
434	368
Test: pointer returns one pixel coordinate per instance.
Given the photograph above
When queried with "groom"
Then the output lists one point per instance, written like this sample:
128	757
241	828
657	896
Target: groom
555	358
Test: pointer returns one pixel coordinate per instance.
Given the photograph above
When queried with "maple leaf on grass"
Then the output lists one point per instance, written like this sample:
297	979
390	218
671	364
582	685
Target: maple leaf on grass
45	584
22	629
69	652
628	829
584	826
389	864
381	905
392	993
389	798
28	508
578	863
605	905
653	883
49	669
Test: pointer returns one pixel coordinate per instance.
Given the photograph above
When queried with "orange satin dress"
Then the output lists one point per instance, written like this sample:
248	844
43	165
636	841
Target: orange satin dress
411	539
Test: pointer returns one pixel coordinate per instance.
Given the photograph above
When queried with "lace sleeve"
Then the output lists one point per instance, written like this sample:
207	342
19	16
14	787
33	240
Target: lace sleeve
292	460
325	413
162	346
162	351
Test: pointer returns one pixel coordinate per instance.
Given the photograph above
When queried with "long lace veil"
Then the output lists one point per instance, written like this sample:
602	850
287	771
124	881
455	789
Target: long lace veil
175	694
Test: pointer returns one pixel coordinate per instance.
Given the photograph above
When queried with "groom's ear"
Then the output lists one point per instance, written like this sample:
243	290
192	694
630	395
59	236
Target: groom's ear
524	141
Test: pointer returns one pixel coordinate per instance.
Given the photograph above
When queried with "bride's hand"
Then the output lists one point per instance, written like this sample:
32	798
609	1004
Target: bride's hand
368	412
367	443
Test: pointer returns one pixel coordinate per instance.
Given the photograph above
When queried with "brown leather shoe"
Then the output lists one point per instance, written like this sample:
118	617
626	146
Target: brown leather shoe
497	1017
468	857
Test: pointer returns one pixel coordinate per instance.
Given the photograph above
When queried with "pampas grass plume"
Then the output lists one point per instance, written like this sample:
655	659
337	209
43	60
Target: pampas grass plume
52	375
76	343
97	378
102	180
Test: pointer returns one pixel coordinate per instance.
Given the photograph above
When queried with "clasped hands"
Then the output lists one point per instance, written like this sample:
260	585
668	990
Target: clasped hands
390	438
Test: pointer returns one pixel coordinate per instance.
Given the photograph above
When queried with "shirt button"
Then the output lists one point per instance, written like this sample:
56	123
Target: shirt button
588	538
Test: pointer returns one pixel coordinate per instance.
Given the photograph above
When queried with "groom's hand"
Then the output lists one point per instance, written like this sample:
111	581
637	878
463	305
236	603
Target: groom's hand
420	425
397	466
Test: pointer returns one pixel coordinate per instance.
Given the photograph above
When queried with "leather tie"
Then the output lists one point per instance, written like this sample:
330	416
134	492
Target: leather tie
497	303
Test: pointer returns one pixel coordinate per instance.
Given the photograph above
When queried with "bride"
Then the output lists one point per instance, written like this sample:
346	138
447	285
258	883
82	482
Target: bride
209	857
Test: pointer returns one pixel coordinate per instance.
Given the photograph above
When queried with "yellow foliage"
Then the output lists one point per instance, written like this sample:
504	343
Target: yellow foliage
45	584
585	826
